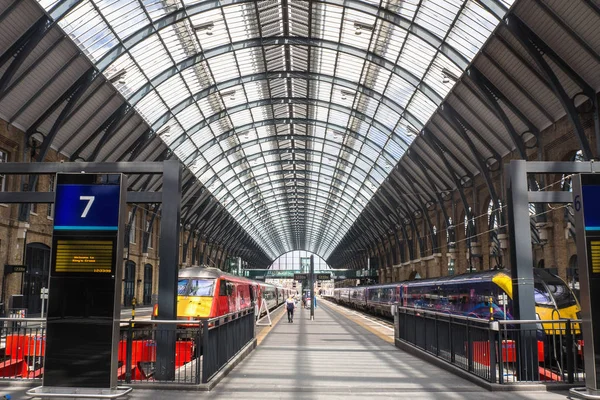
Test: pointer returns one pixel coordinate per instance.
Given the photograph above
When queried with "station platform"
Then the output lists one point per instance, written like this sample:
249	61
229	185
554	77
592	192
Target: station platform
341	354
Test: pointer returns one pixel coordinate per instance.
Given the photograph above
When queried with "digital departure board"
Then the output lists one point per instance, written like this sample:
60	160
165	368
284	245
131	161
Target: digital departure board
84	256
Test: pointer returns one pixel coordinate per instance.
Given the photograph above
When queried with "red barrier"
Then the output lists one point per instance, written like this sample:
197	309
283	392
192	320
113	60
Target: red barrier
481	352
145	351
19	346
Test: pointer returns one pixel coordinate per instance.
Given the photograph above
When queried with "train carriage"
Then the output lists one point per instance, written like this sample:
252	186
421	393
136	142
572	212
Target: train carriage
206	292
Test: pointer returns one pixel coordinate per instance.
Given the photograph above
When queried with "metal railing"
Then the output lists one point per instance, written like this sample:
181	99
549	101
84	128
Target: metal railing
22	346
491	350
202	347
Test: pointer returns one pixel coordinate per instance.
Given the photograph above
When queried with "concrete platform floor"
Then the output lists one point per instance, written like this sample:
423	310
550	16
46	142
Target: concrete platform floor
333	357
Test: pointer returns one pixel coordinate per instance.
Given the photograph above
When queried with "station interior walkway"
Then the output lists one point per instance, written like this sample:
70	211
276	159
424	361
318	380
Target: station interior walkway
339	355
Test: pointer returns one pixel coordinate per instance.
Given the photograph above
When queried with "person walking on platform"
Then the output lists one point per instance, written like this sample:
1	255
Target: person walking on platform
290	304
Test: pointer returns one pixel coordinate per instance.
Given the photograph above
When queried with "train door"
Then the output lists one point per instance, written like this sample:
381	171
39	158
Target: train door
223	300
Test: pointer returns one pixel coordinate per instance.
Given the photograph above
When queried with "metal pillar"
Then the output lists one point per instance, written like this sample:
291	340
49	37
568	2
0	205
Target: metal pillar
311	282
521	257
168	268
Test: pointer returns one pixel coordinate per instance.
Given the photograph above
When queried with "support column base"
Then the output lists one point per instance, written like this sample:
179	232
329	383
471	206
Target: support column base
583	393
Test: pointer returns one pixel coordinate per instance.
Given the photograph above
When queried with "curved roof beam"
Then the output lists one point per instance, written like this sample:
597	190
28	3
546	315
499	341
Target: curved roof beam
277	121
246	160
228	112
142	33
377	60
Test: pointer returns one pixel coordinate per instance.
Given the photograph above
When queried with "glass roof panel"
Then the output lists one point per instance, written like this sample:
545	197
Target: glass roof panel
310	102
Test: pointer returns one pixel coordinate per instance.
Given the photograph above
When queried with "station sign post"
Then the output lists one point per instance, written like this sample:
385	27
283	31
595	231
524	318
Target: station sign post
586	198
85	286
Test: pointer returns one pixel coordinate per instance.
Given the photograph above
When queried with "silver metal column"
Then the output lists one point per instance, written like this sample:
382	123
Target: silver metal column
168	268
521	258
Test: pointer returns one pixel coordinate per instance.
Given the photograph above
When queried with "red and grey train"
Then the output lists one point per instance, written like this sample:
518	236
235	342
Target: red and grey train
206	292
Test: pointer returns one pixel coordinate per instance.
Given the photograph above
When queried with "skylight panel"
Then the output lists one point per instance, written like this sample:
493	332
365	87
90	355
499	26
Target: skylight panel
223	67
151	56
349	67
184	150
250	60
240	22
124	16
360	26
416	56
437	15
151	107
387	116
421	107
189	117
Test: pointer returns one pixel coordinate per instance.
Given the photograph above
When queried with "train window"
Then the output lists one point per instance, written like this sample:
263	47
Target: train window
182	286
562	295
201	287
541	295
222	288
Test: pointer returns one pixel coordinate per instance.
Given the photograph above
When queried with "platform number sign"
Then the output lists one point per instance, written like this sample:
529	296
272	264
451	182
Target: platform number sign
85	281
90	201
586	197
90	207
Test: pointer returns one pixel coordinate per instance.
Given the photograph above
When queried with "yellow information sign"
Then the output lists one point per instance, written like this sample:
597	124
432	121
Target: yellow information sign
84	256
595	247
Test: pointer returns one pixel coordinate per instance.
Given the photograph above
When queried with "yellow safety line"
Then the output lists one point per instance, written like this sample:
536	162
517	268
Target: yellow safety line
364	325
265	331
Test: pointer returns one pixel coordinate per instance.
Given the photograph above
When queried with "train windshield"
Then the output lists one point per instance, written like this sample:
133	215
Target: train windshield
561	293
553	291
195	287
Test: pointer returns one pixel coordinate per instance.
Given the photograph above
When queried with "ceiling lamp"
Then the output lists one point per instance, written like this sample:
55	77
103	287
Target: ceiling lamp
360	26
205	27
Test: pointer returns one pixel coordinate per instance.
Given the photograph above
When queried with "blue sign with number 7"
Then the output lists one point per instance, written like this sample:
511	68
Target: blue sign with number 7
87	207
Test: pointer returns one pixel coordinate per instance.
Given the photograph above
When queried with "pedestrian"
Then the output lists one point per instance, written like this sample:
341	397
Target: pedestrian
290	305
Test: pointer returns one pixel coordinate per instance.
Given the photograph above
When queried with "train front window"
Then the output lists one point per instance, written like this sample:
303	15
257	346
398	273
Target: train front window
182	286
542	298
195	287
561	293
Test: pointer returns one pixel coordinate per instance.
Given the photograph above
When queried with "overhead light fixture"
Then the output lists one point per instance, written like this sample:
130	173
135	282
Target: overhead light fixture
448	76
411	131
346	93
230	94
164	132
118	76
205	27
361	26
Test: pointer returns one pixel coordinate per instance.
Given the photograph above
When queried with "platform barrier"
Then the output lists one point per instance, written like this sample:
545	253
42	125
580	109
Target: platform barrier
202	347
491	350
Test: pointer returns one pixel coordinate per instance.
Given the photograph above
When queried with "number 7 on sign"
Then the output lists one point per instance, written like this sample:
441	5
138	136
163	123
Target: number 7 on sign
90	200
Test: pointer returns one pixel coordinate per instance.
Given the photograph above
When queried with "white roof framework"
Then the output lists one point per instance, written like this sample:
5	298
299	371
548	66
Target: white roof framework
327	125
291	113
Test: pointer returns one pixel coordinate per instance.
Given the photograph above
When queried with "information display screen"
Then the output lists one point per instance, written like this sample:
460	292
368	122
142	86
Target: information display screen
84	256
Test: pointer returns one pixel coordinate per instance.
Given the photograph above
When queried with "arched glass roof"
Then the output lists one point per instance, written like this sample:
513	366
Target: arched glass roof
292	113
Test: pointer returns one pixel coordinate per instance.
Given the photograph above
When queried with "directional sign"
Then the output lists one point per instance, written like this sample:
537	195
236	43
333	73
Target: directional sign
300	277
8	268
323	277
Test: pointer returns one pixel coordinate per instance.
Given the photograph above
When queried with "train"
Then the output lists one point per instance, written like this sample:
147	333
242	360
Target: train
206	292
476	294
